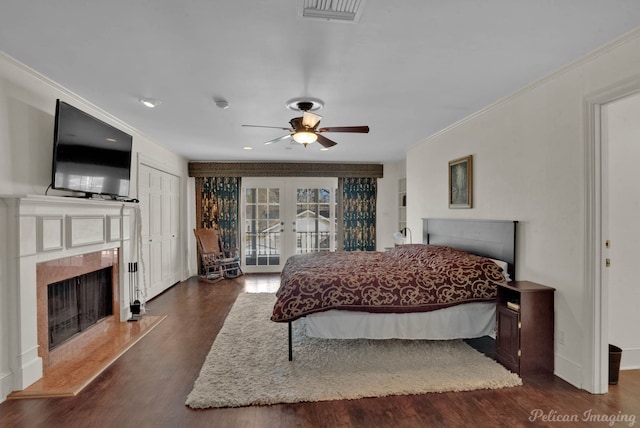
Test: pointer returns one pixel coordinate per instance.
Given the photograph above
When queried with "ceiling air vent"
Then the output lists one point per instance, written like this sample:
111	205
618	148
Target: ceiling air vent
332	10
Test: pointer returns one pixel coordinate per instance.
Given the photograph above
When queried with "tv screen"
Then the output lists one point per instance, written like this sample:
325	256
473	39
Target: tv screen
89	155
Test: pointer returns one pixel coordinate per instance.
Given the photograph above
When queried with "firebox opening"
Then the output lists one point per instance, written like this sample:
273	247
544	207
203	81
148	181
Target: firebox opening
76	304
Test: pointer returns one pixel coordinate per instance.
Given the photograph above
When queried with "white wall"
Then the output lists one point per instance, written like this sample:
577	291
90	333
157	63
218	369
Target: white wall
623	130
27	108
387	204
529	165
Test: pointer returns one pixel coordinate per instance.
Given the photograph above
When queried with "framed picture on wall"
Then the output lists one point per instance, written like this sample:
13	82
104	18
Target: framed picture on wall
461	182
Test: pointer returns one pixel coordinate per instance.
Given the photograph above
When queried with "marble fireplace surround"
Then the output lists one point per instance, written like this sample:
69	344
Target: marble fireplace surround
43	234
65	268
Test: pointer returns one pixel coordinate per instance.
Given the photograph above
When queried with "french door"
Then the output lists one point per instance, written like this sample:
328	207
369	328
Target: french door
286	216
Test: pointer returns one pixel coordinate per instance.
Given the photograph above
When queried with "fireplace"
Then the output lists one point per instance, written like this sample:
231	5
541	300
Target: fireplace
75	304
85	301
49	239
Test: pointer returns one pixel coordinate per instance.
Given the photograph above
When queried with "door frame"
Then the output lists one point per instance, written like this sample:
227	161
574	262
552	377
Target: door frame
595	304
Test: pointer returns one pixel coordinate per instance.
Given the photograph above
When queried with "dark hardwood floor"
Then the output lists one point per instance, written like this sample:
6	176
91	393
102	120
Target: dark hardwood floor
148	385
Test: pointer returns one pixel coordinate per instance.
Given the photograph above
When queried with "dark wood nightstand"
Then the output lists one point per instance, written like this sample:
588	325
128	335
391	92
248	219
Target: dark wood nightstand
524	327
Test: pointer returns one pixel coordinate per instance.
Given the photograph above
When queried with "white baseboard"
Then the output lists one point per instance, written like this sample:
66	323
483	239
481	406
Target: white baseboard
31	372
568	370
6	385
630	359
571	372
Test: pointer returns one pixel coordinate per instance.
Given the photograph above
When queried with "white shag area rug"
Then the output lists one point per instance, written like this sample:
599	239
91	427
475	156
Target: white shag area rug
248	364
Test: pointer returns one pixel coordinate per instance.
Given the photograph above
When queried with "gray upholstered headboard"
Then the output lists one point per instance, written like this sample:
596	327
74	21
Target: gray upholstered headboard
495	239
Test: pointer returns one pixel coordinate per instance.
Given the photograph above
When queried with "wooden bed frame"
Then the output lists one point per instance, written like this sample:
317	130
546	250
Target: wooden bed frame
495	239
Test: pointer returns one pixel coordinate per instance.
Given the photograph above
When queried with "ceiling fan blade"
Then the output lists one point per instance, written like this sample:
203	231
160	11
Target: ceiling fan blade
275	140
262	126
325	142
310	120
359	129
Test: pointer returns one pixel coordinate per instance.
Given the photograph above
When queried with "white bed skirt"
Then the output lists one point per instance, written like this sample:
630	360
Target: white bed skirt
464	321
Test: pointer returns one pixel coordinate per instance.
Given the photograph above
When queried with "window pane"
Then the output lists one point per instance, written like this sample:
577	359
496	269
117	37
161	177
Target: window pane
324	210
324	196
274	196
250	195
274	212
250	211
302	195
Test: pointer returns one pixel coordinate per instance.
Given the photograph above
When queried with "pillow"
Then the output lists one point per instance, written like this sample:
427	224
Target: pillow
505	268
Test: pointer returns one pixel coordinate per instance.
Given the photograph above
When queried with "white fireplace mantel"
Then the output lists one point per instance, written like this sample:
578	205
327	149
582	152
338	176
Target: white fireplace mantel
42	228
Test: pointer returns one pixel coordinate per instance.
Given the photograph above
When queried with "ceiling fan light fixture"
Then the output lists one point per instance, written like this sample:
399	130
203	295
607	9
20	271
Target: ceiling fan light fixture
310	120
305	137
304	104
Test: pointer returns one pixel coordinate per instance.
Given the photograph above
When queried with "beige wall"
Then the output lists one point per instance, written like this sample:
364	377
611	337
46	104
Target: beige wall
529	165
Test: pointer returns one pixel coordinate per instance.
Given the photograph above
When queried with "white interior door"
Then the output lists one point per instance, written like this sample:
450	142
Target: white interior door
286	216
620	230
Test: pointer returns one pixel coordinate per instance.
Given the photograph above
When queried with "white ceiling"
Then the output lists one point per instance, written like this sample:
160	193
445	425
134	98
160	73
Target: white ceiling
407	69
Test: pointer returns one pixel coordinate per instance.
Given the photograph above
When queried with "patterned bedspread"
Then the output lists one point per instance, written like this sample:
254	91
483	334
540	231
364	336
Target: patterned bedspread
408	278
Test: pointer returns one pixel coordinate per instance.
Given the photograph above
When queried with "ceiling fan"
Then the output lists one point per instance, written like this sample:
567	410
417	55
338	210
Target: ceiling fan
304	129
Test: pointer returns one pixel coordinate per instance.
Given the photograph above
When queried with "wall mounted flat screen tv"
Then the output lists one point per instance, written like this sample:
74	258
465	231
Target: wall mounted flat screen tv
89	155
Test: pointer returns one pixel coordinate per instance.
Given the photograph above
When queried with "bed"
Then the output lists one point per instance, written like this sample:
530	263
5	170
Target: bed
442	289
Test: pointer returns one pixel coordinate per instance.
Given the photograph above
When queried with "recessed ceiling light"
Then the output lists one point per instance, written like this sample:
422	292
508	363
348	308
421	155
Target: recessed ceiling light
149	102
324	149
221	103
247	148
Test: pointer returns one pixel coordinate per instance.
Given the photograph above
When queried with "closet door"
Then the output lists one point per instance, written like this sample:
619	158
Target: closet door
159	204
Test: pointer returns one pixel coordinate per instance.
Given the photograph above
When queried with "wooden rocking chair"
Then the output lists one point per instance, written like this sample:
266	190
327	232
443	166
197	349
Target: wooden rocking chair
217	262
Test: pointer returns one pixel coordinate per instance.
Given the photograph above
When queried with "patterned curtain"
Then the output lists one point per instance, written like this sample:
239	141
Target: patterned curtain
217	202
359	213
